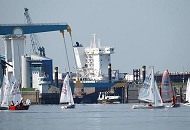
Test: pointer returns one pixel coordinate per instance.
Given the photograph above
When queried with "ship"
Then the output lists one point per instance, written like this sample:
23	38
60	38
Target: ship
92	62
94	73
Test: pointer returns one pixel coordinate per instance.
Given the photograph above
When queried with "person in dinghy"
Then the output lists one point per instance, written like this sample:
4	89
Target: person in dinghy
16	97
23	105
174	104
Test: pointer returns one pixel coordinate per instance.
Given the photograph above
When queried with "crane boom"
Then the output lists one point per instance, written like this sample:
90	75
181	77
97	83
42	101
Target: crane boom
35	42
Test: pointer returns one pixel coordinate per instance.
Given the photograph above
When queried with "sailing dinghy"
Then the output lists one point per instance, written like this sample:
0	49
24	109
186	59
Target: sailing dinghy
16	96
167	91
5	94
187	94
66	95
149	93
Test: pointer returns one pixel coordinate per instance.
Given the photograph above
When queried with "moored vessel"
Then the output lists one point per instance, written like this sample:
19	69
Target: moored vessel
94	73
108	98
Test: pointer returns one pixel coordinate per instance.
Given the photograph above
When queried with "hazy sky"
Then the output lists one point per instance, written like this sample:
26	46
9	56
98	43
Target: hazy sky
143	32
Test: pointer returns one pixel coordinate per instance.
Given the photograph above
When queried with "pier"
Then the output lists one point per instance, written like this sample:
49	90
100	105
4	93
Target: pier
89	94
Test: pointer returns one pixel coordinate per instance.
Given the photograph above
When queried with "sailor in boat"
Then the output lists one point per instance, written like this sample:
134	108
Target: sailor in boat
11	103
27	102
21	102
174	101
174	104
24	103
17	103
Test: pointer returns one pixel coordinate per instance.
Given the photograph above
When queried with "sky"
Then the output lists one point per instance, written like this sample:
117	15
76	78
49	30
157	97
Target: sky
143	32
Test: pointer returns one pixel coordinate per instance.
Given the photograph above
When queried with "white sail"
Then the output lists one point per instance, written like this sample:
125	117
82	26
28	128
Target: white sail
149	91
66	93
15	91
6	92
0	95
146	93
158	99
188	91
71	97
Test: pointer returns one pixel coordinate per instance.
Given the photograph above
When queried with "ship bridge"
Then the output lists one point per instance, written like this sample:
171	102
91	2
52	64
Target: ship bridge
92	62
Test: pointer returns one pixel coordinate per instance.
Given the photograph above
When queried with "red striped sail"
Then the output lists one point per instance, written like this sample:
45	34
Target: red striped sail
166	89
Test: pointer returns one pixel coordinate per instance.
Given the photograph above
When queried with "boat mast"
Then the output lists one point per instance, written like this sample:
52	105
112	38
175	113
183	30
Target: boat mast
153	83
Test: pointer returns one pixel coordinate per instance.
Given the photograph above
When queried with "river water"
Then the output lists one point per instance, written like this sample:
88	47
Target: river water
95	117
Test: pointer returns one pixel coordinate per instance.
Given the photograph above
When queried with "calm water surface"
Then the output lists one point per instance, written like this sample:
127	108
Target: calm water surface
95	117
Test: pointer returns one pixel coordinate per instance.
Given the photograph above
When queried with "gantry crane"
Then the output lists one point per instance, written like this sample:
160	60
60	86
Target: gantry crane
14	36
35	42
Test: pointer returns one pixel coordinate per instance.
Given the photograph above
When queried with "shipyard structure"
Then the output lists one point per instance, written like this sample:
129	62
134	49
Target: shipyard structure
94	80
33	72
94	74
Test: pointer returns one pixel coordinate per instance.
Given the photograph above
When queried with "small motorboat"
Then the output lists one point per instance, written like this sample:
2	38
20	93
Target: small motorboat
108	98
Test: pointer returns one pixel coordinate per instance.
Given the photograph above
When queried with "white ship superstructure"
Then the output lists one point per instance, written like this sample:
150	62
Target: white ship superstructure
92	62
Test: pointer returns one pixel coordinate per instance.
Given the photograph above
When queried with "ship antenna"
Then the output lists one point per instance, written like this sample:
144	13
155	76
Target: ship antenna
99	43
94	43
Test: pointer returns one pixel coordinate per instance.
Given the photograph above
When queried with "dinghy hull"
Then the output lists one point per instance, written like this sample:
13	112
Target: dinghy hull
147	107
186	104
174	106
68	106
4	108
25	107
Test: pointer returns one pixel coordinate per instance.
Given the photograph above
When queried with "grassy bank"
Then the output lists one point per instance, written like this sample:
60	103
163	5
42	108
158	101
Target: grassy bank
27	89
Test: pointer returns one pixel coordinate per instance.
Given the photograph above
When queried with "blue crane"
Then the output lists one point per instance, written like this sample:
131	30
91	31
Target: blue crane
21	29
